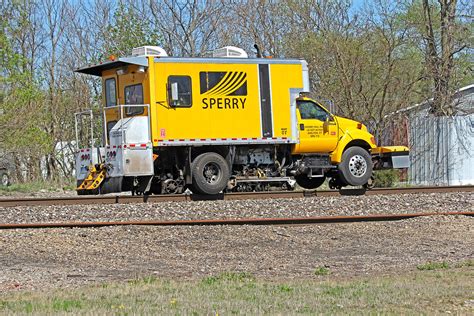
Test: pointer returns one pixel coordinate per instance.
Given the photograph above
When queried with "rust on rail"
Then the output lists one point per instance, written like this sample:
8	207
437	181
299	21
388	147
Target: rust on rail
123	199
237	221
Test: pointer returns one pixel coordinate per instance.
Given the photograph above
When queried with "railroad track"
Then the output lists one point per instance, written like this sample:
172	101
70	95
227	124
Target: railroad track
123	199
239	221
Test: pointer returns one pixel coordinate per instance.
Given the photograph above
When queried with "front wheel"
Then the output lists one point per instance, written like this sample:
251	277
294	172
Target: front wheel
210	173
356	166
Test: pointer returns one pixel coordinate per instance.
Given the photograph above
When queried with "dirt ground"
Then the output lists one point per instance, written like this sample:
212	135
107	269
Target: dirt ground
56	258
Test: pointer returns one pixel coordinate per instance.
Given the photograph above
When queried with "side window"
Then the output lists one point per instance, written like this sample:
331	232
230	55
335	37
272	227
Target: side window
310	110
184	95
110	92
110	125
134	95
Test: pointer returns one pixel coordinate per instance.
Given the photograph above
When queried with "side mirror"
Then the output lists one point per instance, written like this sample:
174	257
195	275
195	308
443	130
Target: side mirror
174	92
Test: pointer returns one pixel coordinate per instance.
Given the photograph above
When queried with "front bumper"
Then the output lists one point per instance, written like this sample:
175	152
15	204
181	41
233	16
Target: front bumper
390	157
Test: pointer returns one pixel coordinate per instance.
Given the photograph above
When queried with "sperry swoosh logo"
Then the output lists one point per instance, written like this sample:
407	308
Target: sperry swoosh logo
231	83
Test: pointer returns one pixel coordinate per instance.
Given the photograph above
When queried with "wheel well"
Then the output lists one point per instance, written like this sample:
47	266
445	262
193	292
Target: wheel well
221	150
359	143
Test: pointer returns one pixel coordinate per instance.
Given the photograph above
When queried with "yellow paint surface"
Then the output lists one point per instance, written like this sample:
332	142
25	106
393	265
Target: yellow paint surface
230	115
237	117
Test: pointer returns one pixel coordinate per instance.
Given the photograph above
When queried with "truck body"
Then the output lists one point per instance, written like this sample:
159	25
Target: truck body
222	123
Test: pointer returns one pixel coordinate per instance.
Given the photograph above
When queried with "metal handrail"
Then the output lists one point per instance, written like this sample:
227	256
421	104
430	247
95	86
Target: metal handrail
79	114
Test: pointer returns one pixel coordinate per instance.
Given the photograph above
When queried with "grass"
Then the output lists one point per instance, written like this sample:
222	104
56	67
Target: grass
419	291
36	186
433	266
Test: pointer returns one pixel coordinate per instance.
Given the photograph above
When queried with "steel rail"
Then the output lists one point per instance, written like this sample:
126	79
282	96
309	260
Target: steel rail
236	221
123	199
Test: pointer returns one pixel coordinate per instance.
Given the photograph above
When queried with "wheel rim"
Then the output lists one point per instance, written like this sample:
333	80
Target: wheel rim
357	166
4	180
212	173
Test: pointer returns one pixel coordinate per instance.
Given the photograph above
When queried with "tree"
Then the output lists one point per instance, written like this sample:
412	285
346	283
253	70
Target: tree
21	133
445	35
128	30
364	63
189	27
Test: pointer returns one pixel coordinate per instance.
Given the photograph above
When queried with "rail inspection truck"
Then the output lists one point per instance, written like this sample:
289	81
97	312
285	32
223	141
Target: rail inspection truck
224	123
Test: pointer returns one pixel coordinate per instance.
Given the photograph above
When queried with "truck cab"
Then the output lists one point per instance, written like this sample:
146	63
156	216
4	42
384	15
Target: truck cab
351	151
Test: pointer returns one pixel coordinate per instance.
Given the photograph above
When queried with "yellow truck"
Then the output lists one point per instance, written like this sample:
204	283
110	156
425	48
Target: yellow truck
223	123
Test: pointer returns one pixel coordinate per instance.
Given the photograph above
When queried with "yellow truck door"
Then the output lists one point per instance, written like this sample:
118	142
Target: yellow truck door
317	129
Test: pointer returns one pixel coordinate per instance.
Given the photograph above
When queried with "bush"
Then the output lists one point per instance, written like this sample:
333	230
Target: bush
386	178
321	271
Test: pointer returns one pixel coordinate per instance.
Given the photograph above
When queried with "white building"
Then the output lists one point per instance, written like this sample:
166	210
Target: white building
442	147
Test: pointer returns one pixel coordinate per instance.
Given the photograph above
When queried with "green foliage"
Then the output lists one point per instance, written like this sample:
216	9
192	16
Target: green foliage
36	186
21	97
127	31
321	271
65	305
386	178
285	288
433	266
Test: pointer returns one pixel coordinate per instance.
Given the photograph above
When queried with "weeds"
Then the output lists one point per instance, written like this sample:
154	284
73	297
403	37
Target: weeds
241	293
321	271
386	178
433	266
65	305
467	263
36	186
229	277
285	288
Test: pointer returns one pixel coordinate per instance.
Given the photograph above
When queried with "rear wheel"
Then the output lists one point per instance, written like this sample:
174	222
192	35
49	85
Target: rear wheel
356	166
210	173
309	183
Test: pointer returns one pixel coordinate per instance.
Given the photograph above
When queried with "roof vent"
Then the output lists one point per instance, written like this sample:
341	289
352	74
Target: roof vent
149	51
230	51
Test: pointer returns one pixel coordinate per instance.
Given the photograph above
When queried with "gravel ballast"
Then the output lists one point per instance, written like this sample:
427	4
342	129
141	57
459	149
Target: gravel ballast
299	207
52	258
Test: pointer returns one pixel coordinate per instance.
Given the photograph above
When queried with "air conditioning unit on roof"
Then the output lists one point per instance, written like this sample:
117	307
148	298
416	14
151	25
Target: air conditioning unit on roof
230	51
149	51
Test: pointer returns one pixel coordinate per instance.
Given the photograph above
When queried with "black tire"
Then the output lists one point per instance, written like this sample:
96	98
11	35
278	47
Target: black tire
356	166
210	173
4	178
309	183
